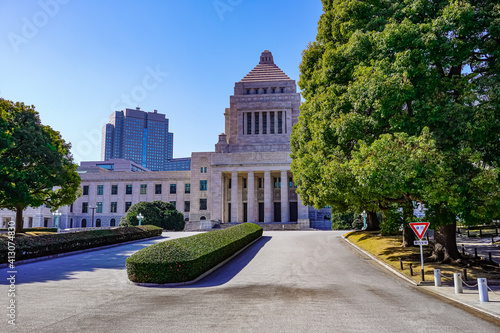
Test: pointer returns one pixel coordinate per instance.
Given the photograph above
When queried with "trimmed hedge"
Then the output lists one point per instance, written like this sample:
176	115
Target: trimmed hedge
184	259
28	247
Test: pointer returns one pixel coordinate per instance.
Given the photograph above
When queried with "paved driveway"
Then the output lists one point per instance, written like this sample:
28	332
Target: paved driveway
289	281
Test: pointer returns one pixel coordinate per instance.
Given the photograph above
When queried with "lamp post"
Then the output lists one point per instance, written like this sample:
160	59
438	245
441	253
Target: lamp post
93	209
57	214
140	217
364	220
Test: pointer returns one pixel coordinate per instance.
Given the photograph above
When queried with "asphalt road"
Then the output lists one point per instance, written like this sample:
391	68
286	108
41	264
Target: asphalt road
289	281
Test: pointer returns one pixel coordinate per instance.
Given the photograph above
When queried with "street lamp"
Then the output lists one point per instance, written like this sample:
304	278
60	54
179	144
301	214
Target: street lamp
140	217
57	214
364	221
93	209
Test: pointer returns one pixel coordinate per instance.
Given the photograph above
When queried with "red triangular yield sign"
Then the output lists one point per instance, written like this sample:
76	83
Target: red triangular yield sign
419	228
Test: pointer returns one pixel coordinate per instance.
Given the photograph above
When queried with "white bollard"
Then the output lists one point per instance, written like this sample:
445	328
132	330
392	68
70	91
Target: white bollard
437	278
457	279
482	286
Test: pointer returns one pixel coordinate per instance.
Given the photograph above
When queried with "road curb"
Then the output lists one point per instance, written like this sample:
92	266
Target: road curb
65	254
402	276
180	284
428	290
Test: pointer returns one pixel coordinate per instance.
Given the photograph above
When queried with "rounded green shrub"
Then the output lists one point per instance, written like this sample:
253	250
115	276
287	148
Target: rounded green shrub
185	259
158	213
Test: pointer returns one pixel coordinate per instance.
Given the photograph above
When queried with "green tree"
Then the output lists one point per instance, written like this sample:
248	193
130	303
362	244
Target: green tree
387	67
36	166
158	213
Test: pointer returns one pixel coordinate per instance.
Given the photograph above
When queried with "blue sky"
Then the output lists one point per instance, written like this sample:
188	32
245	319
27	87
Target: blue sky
78	61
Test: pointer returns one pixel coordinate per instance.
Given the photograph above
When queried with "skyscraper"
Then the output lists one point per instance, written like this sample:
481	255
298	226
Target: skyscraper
139	136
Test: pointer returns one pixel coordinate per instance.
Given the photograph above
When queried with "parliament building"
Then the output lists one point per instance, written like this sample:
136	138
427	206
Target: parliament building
247	178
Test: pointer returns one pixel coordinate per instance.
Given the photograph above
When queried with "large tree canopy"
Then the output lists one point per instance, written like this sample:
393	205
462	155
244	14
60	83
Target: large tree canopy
36	166
386	67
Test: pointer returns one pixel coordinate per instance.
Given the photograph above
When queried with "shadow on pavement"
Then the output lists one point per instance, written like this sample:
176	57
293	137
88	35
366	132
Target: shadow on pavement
65	268
227	272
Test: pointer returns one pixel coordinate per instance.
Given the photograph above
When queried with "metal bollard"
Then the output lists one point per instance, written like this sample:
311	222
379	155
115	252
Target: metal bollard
475	252
437	278
401	263
411	269
457	280
482	286
422	274
489	255
468	234
465	274
463	249
492	240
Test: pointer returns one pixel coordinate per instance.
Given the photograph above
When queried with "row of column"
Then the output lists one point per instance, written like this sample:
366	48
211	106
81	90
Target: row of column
285	209
250	128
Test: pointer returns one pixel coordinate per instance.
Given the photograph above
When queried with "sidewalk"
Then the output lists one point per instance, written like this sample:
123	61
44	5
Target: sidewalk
483	245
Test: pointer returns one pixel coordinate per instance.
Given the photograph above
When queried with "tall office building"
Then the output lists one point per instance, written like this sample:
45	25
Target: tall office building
139	136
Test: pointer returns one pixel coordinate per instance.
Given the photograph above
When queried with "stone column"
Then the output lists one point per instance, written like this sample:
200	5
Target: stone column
251	197
285	210
267	197
234	196
275	122
216	196
303	211
261	122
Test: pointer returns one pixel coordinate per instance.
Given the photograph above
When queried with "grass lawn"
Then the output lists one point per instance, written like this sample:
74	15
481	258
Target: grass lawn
388	249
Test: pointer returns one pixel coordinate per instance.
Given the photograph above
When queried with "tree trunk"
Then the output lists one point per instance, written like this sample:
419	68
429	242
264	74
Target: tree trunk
19	220
372	222
445	244
408	234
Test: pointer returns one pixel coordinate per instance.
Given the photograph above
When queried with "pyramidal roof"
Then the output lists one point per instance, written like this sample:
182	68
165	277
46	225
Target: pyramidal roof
266	70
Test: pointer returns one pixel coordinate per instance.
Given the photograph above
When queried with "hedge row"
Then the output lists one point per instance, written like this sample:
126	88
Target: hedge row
184	259
27	247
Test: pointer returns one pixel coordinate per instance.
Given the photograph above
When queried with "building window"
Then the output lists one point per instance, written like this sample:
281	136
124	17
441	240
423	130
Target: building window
203	185
99	207
229	184
174	203
290	181
86	190
257	91
114	189
114	207
248	91
144	188
271	130
257	123
203	204
85	207
187	188
84	223
127	206
277	182
187	206
282	90
264	122
249	123
173	188
265	90
158	189
205	169
128	189
71	208
98	223
260	182
112	223
201	170
280	122
100	189
244	183
273	90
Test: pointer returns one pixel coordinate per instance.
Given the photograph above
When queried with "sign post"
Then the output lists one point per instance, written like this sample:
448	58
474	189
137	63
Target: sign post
420	228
